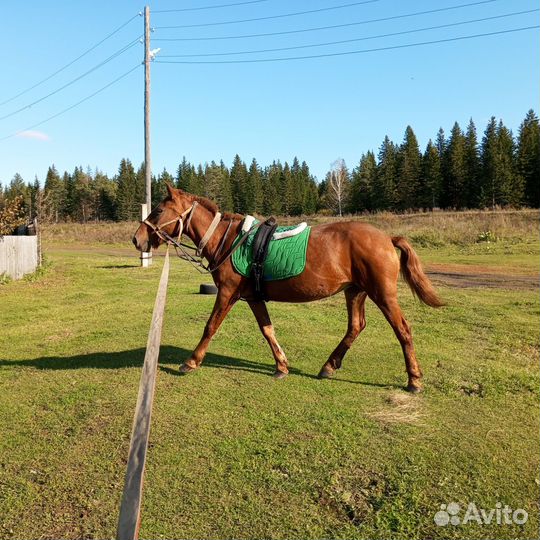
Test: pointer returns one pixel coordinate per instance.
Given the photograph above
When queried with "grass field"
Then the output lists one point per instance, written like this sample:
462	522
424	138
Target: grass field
236	454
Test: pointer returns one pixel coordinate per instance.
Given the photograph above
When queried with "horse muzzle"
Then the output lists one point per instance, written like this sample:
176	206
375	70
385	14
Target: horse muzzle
141	239
139	246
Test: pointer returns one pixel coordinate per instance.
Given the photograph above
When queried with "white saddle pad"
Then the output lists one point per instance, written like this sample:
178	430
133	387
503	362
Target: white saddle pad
249	220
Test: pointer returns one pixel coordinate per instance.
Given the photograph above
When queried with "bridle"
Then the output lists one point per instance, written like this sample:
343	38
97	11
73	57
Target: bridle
197	259
179	219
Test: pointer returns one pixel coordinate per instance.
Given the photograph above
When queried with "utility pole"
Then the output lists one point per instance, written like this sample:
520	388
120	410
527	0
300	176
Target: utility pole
146	258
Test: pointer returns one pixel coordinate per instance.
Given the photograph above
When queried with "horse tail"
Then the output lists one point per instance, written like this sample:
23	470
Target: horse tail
413	274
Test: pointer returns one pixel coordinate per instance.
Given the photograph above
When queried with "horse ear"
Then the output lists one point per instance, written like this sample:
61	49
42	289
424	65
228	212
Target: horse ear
171	190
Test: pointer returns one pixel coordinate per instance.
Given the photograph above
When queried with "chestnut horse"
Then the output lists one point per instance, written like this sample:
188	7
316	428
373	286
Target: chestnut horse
342	256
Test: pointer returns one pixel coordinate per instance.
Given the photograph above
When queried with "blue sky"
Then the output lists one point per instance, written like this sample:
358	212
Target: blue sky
317	109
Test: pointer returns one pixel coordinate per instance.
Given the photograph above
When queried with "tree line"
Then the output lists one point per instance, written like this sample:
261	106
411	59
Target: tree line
454	172
457	171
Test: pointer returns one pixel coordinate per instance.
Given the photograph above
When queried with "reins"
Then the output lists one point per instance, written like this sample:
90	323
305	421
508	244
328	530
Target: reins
197	259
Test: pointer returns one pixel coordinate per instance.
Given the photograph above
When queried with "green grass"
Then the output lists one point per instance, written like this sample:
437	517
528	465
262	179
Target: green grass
236	454
508	257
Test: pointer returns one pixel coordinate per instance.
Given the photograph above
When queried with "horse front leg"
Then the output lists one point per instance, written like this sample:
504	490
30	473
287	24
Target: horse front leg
224	302
267	329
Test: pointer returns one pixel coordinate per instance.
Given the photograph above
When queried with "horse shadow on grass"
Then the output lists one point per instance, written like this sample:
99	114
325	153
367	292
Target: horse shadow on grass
168	355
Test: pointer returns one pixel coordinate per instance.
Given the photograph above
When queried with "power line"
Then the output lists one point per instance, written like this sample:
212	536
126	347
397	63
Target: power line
346	52
351	40
70	63
208	7
73	81
271	16
74	105
343	25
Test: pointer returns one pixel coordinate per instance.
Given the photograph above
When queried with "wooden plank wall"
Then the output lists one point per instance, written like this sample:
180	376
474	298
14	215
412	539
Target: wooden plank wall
18	255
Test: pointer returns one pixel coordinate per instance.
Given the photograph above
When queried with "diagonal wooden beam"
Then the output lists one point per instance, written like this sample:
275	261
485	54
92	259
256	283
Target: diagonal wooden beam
130	508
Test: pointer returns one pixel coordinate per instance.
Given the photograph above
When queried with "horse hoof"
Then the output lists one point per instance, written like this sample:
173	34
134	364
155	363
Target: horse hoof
279	374
184	368
414	389
325	373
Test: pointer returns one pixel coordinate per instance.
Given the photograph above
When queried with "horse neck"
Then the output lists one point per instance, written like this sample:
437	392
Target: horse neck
200	222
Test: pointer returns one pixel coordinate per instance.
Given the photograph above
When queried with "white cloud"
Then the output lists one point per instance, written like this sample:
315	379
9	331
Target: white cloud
36	135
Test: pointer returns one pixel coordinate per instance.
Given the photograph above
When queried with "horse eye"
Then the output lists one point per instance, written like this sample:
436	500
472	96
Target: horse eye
159	210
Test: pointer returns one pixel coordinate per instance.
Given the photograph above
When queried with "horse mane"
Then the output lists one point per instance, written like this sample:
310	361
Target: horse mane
214	208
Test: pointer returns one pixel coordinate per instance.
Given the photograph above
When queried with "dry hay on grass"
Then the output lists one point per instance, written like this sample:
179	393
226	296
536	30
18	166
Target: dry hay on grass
400	408
422	228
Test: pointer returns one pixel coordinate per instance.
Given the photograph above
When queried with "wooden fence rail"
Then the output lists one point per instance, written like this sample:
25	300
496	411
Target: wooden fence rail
130	508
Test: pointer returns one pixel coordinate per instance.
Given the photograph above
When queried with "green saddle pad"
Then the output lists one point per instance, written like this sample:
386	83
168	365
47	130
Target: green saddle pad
286	256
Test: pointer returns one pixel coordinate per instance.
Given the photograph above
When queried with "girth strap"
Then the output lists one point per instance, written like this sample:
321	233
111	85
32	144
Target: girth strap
261	244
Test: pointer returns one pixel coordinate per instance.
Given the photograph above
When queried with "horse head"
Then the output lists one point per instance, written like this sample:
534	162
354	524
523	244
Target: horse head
167	217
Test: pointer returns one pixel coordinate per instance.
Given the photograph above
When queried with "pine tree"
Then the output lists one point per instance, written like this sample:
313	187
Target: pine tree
509	184
362	183
182	174
105	190
489	165
18	188
83	196
321	193
128	199
69	206
238	177
299	187
185	176
40	202
225	198
286	190
254	189
197	182
501	183
431	178
159	186
528	158
56	193
473	167
440	143
454	193
384	185
272	203
212	181
311	195
34	192
409	170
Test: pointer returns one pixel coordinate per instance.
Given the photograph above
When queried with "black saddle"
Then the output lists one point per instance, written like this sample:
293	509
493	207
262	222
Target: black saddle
261	243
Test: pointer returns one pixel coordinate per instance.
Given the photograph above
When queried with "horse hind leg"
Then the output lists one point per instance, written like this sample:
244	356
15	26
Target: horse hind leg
267	329
392	311
357	322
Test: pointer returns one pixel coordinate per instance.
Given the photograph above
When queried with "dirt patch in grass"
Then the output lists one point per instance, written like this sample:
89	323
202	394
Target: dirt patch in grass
473	389
481	279
480	269
356	495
